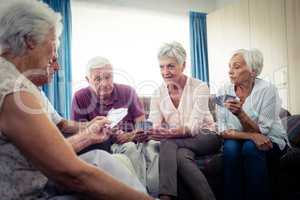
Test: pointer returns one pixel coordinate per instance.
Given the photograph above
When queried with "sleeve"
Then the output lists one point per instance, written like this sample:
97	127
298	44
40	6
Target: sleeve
55	117
136	107
201	117
269	109
76	111
155	115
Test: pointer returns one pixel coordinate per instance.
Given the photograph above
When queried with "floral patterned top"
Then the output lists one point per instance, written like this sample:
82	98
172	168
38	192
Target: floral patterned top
19	180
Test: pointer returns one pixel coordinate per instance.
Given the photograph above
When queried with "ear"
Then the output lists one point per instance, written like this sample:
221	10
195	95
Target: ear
30	43
253	73
87	79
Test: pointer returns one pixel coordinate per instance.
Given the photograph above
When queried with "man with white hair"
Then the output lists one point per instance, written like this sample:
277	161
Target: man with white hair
99	98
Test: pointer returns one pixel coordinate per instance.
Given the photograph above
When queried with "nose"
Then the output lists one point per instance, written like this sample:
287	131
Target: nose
230	72
164	70
55	64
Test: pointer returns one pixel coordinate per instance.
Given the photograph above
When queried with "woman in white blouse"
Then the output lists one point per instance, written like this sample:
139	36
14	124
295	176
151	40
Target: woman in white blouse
31	146
251	127
184	125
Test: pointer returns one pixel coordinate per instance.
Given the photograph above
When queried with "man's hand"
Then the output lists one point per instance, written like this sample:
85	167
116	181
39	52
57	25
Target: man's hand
262	142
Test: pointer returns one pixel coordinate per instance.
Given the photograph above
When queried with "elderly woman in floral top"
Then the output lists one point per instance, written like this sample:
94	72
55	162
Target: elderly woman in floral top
31	147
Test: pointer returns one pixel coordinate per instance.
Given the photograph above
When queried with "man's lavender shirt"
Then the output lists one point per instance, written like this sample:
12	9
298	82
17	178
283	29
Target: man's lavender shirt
86	105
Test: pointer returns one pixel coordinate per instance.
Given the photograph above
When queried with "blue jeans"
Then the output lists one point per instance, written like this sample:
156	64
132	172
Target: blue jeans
246	171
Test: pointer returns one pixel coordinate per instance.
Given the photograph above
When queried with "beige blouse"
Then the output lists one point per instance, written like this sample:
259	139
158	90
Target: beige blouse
192	112
19	180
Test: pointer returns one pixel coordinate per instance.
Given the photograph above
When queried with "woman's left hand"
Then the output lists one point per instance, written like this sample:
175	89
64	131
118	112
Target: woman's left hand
235	106
163	133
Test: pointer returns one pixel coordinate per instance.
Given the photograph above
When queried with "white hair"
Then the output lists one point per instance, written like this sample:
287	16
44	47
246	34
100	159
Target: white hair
172	50
26	18
96	63
254	59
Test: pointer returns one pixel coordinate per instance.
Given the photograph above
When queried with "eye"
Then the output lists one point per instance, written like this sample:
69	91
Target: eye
97	78
170	66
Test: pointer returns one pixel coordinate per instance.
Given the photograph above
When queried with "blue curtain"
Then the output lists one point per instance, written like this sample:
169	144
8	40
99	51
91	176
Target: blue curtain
198	40
59	90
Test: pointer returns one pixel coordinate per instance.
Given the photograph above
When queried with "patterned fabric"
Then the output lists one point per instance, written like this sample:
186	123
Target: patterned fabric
19	180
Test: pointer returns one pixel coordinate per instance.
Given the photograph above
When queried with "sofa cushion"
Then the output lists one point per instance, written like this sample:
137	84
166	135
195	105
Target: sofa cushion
292	124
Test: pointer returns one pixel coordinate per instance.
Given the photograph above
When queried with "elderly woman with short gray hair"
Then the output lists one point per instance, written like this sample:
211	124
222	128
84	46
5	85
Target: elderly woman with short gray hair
184	125
31	147
250	125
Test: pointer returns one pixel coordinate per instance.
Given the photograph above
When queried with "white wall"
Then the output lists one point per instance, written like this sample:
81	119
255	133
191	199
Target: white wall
178	7
223	3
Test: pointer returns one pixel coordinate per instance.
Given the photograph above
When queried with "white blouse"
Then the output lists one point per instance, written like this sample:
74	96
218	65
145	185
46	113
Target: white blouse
262	106
192	112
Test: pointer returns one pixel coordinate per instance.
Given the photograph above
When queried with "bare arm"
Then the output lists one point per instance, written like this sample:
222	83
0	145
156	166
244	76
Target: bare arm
262	142
248	124
236	108
71	127
40	142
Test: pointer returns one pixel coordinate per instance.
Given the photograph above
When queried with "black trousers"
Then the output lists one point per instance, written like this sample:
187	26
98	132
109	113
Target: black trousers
177	157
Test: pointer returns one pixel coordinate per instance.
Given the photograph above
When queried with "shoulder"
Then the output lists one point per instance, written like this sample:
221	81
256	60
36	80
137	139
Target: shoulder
83	92
263	86
197	85
124	90
13	81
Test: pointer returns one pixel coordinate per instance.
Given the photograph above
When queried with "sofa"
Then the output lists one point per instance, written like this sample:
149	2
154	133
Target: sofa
284	175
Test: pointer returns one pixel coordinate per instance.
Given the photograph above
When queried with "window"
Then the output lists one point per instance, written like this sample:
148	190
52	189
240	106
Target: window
129	38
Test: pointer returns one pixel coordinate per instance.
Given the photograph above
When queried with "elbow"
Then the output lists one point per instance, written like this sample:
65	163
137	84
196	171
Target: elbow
71	176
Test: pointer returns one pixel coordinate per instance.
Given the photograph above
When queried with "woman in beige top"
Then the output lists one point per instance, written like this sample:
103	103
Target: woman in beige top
31	147
181	105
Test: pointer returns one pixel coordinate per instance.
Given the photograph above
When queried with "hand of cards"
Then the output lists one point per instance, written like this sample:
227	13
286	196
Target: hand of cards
219	100
116	115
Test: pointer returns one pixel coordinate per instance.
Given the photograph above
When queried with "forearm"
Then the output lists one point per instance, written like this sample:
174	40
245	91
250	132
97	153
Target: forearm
79	141
237	135
248	124
71	127
102	186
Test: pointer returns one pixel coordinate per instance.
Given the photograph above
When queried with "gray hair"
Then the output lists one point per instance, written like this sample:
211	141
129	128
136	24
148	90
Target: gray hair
172	50
254	59
96	63
23	18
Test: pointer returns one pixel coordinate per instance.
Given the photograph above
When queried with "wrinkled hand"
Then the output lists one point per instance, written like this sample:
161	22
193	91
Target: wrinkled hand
121	137
97	130
228	133
234	106
141	136
262	142
159	134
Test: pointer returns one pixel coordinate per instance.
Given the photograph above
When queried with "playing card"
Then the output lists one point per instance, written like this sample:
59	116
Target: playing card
116	115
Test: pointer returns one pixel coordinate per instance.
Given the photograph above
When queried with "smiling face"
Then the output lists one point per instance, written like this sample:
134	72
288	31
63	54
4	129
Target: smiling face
171	70
239	72
101	81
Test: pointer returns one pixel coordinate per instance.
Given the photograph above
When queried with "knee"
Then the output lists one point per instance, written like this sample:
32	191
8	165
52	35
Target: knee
167	144
231	149
250	150
129	147
184	156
